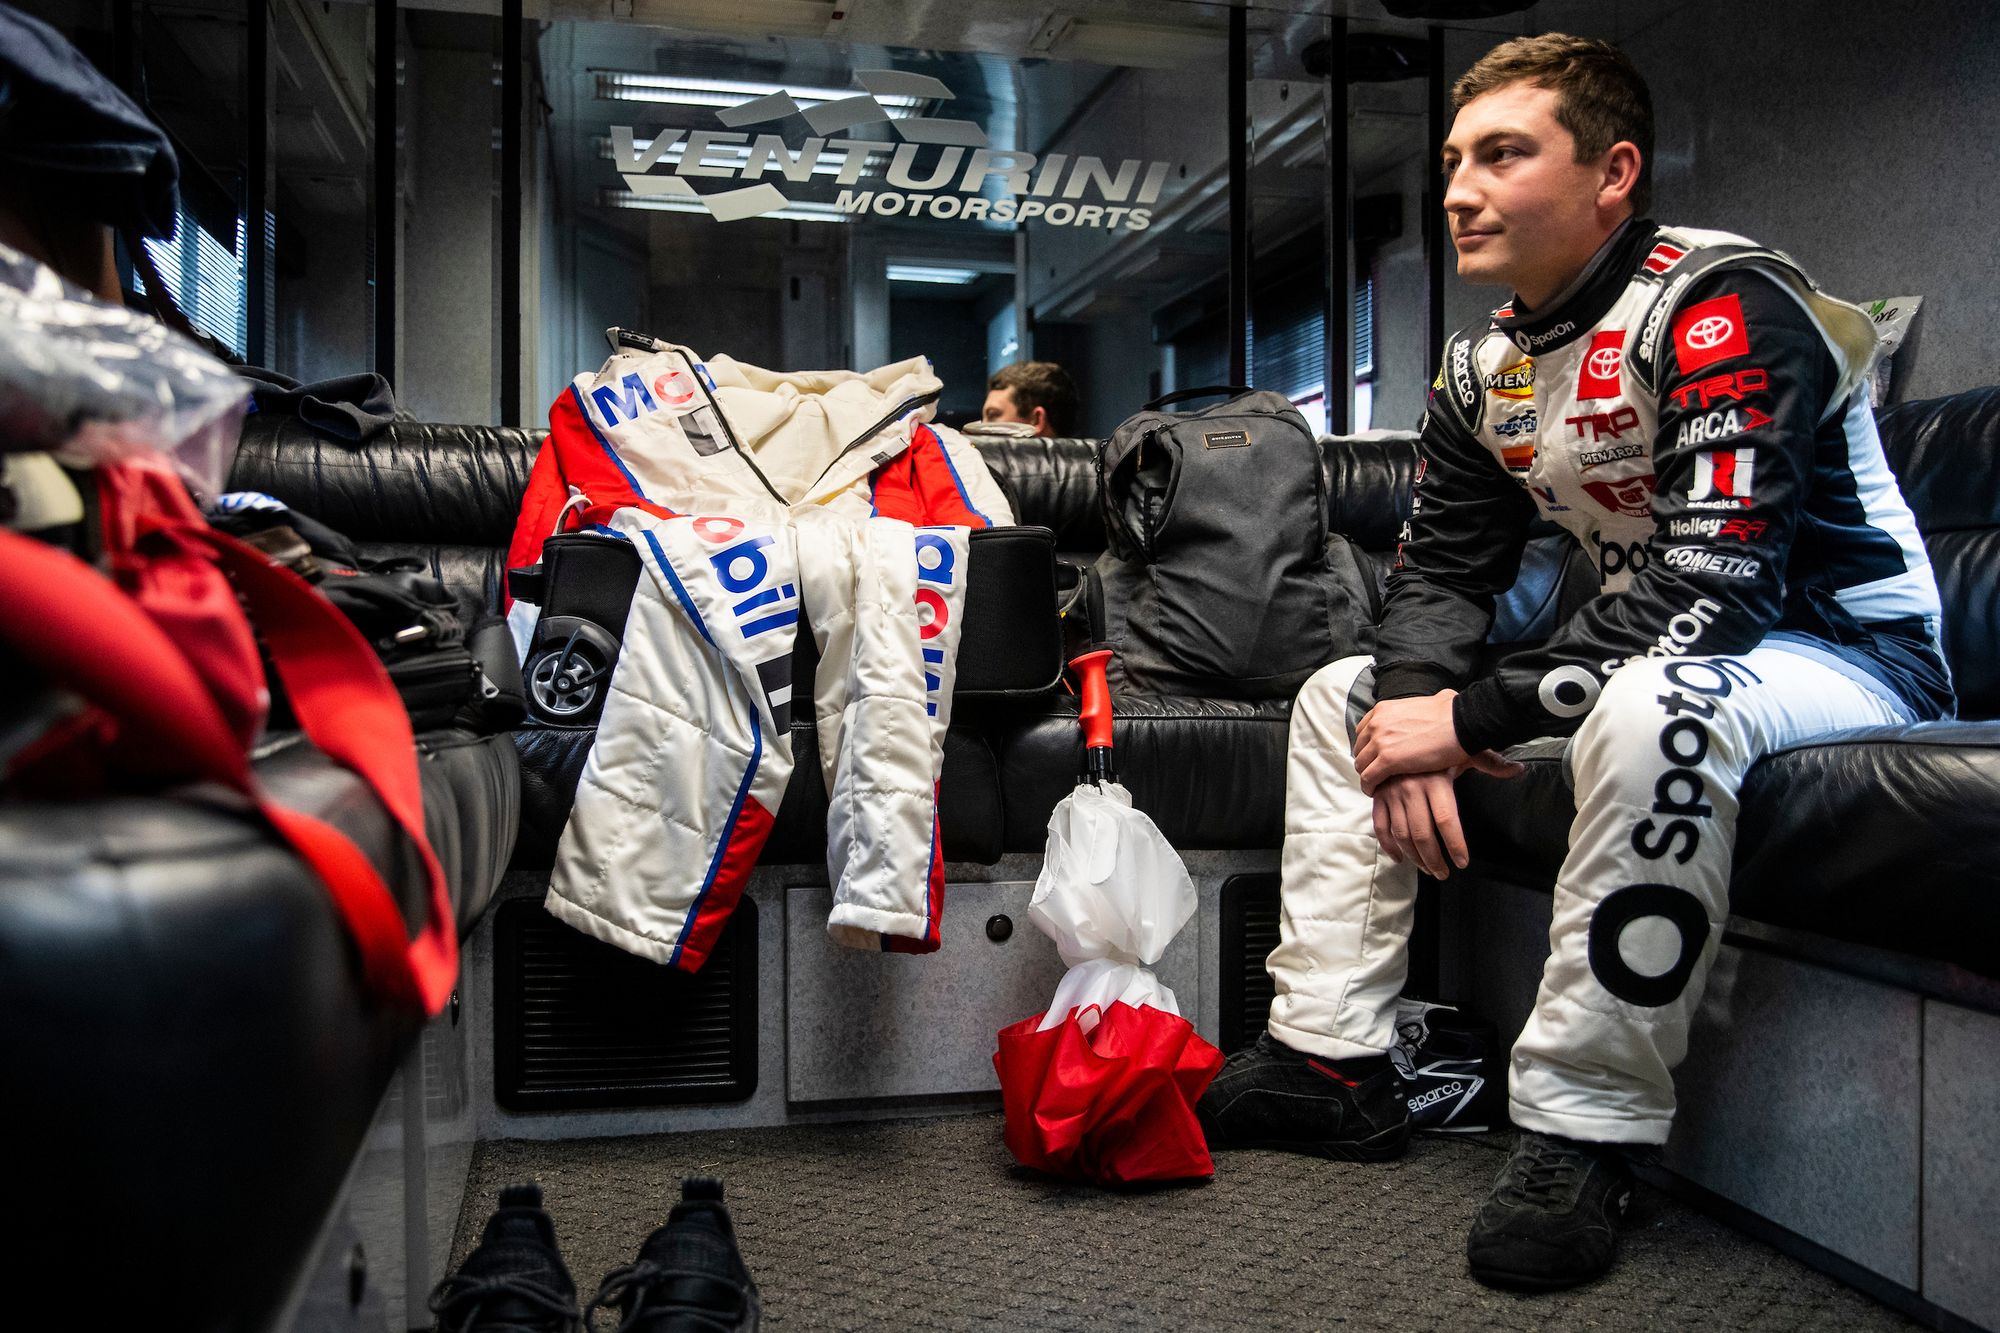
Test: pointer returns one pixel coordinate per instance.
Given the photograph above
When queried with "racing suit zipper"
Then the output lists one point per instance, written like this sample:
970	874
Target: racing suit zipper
907	406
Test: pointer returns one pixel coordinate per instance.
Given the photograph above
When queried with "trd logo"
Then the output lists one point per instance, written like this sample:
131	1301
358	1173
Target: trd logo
1733	386
1602	424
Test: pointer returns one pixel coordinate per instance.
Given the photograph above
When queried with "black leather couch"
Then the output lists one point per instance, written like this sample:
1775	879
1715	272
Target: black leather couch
1822	826
192	1060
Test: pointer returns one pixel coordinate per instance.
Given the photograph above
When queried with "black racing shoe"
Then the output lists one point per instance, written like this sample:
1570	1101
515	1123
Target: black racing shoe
1552	1219
689	1277
1271	1096
1451	1071
516	1281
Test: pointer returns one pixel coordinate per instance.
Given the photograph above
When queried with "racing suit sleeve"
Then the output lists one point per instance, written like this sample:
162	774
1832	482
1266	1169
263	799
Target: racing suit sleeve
1743	386
1459	550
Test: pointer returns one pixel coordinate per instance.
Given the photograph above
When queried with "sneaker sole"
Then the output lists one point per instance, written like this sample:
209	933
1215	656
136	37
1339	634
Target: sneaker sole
1385	1145
1511	1281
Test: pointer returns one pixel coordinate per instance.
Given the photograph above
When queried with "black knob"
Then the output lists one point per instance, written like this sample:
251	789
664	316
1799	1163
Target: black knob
456	1005
999	928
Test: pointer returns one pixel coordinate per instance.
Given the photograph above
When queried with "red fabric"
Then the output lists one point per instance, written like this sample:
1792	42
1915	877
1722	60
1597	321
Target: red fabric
574	454
718	903
919	486
1115	1106
160	711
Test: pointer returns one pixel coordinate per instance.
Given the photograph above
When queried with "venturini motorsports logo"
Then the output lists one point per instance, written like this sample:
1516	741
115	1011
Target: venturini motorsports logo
939	169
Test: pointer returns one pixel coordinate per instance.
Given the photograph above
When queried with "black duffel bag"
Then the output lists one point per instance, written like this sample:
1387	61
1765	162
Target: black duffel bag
1221	577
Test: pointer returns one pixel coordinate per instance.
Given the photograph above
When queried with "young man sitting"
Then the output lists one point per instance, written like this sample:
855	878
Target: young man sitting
1696	414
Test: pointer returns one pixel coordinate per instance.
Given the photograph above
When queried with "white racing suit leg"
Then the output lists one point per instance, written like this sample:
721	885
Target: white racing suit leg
884	600
1345	907
694	746
1641	899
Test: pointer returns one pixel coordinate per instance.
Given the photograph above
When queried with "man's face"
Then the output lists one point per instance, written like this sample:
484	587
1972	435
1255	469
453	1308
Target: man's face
1000	406
1524	213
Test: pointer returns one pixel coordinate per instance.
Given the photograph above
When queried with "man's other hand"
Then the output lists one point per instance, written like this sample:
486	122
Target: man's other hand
1417	736
1416	819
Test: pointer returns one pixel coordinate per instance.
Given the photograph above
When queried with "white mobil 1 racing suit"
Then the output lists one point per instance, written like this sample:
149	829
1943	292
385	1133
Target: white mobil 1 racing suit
751	496
1695	413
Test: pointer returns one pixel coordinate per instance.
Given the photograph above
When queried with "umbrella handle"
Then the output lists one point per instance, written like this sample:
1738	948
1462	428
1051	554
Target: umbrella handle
1095	714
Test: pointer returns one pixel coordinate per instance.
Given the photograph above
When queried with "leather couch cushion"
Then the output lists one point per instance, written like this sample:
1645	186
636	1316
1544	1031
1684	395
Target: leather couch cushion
415	481
1051	483
184	1001
969	800
1211	772
1888	837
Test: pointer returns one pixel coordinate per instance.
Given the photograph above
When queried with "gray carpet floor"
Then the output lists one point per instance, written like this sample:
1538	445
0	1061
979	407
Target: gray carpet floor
928	1224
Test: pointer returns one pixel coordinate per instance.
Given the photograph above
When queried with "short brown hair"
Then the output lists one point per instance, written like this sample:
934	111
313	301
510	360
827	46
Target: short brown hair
1601	99
1042	384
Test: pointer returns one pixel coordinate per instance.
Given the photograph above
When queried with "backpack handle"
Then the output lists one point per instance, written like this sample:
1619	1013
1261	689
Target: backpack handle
1206	391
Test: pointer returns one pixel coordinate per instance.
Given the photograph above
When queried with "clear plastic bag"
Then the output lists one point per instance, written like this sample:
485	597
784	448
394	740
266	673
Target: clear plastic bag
95	383
1112	895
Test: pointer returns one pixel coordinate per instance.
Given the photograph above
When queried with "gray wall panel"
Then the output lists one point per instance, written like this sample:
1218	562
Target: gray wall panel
1962	1162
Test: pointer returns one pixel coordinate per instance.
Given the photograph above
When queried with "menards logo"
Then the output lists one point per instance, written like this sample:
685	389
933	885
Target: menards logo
938	170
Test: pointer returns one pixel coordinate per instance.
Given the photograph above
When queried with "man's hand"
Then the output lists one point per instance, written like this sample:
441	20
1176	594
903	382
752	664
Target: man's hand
1416	819
1416	736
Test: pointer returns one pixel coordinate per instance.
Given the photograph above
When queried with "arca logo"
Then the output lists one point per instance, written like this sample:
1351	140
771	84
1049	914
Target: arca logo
956	161
1719	425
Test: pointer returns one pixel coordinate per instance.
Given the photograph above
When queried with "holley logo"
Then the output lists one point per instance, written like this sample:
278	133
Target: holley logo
938	170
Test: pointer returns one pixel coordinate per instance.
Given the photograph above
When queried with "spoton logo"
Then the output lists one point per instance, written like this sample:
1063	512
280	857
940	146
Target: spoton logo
1057	189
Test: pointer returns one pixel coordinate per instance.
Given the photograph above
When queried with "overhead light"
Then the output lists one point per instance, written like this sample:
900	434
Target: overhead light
675	90
800	211
826	164
1140	45
949	277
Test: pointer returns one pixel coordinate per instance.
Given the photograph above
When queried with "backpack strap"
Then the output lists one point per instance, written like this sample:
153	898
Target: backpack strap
68	620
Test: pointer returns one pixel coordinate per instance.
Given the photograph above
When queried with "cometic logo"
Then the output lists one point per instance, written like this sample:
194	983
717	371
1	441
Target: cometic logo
939	169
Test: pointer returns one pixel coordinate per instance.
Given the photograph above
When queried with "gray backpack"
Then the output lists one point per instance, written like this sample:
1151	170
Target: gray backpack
1221	578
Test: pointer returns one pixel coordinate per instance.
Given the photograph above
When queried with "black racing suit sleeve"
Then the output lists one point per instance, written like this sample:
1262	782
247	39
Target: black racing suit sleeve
1732	462
1459	550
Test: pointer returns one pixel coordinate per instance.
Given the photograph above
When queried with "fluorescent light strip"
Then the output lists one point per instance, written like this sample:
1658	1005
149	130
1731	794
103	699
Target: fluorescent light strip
617	86
953	277
826	164
806	211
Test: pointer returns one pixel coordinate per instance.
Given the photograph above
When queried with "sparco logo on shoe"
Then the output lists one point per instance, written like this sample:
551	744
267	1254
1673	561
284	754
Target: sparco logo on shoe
1434	1096
1536	341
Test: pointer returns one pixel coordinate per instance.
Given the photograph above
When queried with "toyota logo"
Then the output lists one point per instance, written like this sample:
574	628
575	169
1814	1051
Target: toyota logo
1603	363
1710	332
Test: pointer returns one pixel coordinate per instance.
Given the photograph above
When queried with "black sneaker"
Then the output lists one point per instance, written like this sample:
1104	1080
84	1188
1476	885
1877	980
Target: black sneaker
1271	1096
1450	1069
689	1276
515	1282
1552	1219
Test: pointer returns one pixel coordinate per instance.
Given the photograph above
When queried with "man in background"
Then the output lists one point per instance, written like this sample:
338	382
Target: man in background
1036	394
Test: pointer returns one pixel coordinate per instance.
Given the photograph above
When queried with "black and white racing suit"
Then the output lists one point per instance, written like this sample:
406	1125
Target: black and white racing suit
1696	413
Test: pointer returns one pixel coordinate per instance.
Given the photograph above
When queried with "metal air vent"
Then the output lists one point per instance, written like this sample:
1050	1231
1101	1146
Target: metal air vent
582	1025
1249	933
